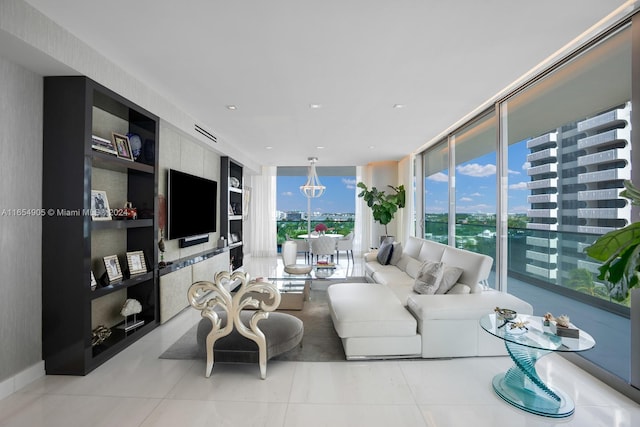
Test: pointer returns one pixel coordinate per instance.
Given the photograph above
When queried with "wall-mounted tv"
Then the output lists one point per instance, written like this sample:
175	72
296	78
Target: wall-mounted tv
192	203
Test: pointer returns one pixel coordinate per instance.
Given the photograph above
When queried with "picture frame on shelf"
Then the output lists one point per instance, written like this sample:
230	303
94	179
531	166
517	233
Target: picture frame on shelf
112	266
94	282
235	237
100	206
136	263
123	146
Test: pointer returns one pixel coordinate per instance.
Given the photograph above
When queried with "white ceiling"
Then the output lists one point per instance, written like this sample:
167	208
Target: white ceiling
357	58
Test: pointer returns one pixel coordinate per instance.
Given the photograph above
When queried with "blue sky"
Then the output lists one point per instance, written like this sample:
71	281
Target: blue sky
339	197
476	184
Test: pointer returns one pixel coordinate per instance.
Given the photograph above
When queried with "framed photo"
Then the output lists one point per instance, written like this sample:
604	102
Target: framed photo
100	206
235	237
112	265
123	146
135	261
94	283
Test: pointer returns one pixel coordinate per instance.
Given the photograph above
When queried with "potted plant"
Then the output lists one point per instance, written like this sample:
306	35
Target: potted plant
383	205
619	250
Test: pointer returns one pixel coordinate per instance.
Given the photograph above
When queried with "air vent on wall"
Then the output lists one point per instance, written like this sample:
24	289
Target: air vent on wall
206	133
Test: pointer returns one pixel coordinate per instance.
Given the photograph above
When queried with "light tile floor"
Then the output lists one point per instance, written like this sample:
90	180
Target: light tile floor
136	388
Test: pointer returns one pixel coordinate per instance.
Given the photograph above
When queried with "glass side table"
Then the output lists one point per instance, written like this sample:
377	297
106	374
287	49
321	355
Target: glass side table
520	385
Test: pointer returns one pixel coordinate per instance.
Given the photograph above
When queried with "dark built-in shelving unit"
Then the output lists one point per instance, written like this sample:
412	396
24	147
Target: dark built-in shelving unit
231	208
73	245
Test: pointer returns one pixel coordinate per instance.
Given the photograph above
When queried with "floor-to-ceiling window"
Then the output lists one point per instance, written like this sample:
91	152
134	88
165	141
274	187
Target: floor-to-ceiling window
436	193
474	154
563	145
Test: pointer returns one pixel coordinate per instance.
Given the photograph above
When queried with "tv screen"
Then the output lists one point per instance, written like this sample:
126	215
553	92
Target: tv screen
192	205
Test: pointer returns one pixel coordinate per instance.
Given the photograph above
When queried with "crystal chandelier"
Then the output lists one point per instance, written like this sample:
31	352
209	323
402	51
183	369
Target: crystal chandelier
312	188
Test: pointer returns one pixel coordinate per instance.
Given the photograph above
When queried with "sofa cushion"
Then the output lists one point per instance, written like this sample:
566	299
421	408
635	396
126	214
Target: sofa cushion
429	278
413	246
431	251
413	267
385	252
450	276
368	310
476	267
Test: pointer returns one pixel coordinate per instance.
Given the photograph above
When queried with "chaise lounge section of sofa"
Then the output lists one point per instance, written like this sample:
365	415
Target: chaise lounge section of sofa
386	318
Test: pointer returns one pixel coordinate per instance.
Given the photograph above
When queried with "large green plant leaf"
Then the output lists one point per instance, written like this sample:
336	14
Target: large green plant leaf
619	250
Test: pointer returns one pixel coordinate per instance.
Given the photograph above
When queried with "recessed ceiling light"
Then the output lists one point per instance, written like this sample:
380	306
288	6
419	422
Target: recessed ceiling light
315	106
320	147
268	147
398	106
372	147
232	107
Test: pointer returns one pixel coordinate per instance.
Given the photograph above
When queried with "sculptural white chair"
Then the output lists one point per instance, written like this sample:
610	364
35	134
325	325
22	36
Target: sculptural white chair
345	244
232	319
289	259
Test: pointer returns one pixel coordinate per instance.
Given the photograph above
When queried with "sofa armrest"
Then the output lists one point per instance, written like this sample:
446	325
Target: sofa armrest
371	256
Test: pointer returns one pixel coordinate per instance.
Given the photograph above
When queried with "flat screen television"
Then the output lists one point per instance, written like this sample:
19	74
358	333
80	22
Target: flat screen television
192	203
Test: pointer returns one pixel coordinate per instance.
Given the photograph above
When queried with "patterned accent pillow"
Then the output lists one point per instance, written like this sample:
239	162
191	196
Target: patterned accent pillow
429	278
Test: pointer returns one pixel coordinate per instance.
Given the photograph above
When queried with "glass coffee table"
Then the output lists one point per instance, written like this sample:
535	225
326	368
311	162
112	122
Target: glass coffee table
293	292
520	385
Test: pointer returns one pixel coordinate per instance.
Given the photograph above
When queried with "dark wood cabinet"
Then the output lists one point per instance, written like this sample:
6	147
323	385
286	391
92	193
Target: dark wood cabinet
73	244
232	208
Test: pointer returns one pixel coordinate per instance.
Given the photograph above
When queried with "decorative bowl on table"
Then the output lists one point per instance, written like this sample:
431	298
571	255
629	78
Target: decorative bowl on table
505	313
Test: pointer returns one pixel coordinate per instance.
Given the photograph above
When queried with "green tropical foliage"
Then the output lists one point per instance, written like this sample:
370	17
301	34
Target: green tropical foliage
383	206
619	250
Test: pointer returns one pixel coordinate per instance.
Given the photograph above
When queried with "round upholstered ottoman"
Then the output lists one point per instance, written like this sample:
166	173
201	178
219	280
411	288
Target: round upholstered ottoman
282	332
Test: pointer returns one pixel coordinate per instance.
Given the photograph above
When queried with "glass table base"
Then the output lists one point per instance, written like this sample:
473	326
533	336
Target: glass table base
532	401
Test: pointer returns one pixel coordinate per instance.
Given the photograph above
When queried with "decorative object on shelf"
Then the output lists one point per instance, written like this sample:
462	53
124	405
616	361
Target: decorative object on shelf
235	237
129	211
100	206
222	242
94	282
234	182
130	308
135	262
103	145
112	266
136	145
162	221
123	147
99	335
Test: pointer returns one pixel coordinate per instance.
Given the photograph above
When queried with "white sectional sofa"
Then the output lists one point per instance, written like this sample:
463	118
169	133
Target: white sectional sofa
385	318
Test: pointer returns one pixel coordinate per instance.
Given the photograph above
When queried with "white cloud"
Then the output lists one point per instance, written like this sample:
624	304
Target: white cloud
525	166
349	183
438	177
476	195
518	186
519	209
466	199
287	193
477	170
511	172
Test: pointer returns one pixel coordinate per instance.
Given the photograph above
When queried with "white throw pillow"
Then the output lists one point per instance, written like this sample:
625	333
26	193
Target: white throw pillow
429	278
450	277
